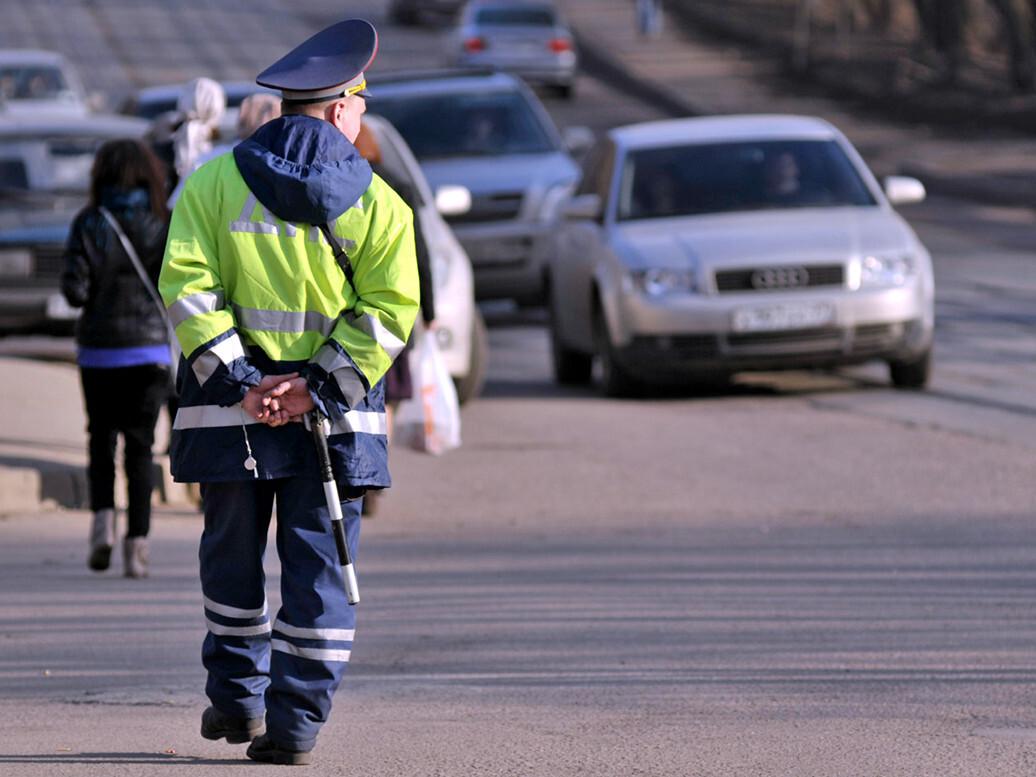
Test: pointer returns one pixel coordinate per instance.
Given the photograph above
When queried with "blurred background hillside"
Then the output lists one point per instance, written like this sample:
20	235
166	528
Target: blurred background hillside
933	60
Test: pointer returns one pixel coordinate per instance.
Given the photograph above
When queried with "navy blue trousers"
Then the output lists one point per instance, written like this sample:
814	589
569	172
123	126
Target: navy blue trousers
288	670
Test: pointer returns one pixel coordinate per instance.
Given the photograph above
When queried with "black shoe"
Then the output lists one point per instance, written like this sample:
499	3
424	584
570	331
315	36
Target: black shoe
264	750
216	725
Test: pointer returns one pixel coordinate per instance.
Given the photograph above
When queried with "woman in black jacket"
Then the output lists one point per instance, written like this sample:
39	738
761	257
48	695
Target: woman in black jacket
123	348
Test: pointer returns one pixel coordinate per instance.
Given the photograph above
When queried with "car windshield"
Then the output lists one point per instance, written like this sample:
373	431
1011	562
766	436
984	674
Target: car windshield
517	16
751	175
32	82
482	124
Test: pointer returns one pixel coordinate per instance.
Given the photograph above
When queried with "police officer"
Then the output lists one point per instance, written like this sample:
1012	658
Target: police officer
271	327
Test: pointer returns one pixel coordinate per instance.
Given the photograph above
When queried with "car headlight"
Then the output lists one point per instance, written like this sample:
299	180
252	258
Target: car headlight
660	281
877	271
16	262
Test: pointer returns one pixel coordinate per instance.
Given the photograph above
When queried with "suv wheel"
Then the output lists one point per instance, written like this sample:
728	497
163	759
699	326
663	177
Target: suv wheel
615	381
571	368
912	374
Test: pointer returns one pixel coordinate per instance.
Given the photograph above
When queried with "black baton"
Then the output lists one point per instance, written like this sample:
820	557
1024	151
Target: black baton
316	424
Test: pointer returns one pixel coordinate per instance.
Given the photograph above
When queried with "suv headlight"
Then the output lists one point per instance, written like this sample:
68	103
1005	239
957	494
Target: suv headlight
16	262
877	271
660	281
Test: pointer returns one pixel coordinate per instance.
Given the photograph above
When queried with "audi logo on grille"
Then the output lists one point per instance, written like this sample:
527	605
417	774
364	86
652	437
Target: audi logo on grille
780	278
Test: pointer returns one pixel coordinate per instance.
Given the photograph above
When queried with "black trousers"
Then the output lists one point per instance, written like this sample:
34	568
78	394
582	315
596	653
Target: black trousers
123	400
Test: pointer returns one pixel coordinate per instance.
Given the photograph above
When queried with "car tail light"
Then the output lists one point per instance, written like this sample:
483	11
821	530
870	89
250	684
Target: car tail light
558	45
473	45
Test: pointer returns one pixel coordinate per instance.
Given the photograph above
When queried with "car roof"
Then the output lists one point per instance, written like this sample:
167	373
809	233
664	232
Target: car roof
30	57
107	125
439	82
713	129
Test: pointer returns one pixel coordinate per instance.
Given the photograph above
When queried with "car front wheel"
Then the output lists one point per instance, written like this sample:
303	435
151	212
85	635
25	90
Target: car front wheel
470	386
913	373
615	380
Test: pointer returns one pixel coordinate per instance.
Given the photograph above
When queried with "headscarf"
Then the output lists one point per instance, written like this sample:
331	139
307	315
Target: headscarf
202	104
255	111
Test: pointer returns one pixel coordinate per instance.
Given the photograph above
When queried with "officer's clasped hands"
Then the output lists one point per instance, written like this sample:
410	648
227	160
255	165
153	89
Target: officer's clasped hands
278	399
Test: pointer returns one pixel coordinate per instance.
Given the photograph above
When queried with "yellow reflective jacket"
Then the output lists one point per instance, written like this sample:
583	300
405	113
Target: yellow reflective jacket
250	293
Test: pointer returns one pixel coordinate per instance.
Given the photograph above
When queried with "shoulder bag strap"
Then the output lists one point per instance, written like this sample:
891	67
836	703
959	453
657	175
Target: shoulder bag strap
340	255
134	258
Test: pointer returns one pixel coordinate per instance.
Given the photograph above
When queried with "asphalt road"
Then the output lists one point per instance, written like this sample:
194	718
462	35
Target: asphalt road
806	574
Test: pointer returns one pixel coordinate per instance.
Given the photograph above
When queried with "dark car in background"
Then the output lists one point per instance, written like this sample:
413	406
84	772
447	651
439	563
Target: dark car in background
44	181
490	134
416	11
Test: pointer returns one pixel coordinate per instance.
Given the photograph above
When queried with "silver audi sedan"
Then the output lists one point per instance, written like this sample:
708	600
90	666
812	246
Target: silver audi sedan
697	248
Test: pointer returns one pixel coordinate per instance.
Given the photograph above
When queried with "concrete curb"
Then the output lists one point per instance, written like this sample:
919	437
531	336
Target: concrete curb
37	489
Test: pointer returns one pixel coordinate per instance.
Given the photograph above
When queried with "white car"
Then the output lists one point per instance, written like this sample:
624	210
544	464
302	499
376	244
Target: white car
459	329
709	246
38	83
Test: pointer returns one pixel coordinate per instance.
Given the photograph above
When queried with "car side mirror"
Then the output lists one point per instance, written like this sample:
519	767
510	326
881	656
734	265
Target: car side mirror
584	206
577	139
902	190
452	200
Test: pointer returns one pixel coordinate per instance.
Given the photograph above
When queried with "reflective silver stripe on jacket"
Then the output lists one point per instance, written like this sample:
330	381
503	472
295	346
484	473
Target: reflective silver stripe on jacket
233	612
376	330
237	631
214	417
258	320
194	305
343	635
344	373
314	654
224	352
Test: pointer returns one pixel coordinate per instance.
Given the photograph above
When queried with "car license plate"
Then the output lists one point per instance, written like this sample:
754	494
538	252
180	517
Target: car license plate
791	315
58	308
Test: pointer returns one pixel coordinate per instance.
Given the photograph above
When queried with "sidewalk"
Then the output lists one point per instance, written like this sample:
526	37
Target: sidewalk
682	72
43	441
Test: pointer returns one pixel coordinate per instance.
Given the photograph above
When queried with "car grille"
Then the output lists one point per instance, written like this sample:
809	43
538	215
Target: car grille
818	338
781	278
679	347
49	261
501	206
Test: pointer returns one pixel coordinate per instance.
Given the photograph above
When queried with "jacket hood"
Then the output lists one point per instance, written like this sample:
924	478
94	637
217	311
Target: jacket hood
303	169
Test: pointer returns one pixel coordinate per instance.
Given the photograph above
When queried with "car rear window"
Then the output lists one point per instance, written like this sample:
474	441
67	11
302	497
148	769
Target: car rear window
535	16
476	124
752	175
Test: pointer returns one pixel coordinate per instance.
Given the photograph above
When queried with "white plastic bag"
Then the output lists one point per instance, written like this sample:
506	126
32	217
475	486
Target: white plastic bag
430	421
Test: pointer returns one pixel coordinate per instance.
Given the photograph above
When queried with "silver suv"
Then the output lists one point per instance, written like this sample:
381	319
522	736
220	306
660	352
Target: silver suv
490	134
